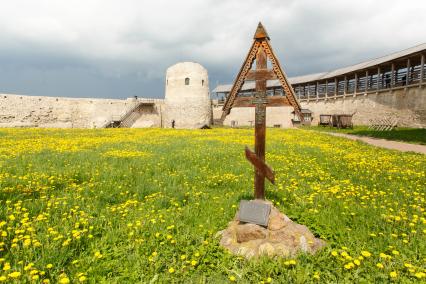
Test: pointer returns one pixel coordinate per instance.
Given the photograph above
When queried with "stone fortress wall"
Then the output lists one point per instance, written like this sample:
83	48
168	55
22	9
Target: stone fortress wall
59	112
190	106
187	103
407	105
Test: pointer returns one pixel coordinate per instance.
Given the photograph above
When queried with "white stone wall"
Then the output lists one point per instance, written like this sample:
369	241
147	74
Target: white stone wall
150	116
58	112
244	116
406	105
188	105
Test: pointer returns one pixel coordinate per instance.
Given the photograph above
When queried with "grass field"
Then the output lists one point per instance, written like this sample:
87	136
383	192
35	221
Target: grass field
409	135
126	206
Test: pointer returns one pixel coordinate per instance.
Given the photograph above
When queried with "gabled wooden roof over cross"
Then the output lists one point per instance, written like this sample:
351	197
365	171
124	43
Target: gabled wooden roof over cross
261	42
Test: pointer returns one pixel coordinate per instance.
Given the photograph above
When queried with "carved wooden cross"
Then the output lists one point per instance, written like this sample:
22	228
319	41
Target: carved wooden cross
260	51
262	170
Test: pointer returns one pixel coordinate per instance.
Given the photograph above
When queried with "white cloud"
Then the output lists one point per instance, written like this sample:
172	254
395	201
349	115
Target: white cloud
145	37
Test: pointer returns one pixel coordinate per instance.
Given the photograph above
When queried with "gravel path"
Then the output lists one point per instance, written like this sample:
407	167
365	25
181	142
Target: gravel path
400	146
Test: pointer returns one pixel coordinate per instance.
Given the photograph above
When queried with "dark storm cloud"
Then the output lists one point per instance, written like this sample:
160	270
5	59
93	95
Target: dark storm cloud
106	48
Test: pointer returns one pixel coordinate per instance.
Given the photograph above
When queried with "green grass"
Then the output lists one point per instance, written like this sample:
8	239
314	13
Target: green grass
409	135
144	206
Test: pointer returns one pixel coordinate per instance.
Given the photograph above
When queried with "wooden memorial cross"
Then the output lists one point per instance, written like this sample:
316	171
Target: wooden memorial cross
260	52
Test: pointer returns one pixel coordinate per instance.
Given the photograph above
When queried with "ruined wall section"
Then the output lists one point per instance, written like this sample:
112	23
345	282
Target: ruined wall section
406	105
59	112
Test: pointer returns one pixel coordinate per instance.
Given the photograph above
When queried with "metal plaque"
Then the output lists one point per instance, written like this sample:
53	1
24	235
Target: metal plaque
255	212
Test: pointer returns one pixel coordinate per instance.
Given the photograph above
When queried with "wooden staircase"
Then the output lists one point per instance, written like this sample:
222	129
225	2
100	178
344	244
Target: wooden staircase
129	116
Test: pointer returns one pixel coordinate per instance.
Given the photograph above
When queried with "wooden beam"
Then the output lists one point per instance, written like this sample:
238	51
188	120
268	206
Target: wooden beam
308	90
261	74
317	90
422	68
260	165
345	86
274	101
239	81
392	75
378	78
356	84
336	87
260	125
326	88
407	75
366	81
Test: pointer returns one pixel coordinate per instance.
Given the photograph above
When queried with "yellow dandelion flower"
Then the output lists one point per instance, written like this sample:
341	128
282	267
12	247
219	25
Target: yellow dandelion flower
349	266
64	280
365	253
171	270
393	274
14	274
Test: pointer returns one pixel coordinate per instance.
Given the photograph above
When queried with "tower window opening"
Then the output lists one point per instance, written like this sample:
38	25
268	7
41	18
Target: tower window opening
202	82
186	81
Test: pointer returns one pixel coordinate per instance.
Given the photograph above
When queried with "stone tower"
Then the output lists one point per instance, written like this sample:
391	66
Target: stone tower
187	101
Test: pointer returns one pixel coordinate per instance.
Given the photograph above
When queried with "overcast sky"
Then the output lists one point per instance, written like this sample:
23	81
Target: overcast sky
117	49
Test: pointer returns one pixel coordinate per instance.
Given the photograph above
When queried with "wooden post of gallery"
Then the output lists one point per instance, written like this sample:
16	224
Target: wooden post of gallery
422	69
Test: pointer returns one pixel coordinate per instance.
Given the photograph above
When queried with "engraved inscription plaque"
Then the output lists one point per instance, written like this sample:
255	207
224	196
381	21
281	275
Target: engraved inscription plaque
255	212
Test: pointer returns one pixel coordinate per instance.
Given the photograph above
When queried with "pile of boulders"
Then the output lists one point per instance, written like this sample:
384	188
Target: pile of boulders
282	237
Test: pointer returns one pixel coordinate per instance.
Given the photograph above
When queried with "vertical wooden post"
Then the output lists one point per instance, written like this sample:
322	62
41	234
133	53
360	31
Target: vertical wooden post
308	90
326	89
345	86
378	79
317	90
336	91
366	81
356	84
392	75
422	69
260	126
407	75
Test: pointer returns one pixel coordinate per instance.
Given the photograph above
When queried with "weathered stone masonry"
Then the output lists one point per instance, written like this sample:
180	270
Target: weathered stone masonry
58	112
407	105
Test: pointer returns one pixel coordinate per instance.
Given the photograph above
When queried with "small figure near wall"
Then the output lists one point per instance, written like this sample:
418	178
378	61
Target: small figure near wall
173	123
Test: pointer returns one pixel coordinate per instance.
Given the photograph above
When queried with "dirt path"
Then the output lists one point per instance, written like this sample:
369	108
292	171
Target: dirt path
394	145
